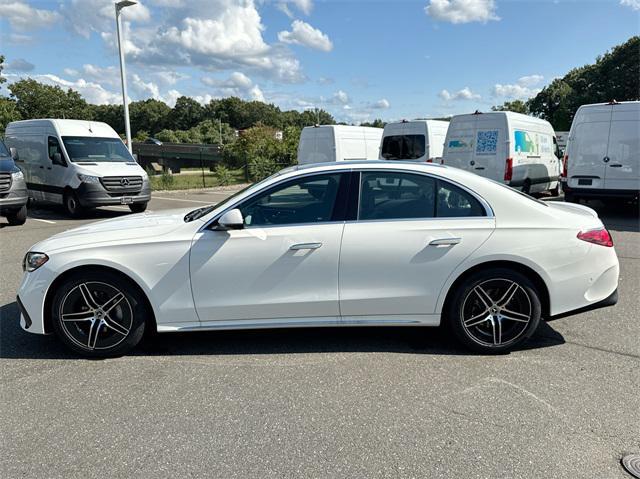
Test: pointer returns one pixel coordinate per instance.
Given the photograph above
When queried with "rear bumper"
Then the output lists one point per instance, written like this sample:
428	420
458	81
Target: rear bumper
600	192
93	194
611	300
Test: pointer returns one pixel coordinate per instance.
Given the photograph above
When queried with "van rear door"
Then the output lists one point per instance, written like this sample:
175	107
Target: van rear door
622	170
489	155
587	149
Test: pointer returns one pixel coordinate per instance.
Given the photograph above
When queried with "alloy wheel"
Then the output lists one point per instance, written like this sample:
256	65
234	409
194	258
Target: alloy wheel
496	312
96	315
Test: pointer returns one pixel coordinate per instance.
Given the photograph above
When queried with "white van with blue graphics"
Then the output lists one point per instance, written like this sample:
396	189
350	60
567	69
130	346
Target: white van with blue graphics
516	149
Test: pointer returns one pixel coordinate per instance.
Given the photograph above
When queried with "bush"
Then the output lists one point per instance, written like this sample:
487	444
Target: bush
261	167
166	180
223	174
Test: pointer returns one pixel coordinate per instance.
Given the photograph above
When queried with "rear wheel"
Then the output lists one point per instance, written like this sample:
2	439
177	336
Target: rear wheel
72	205
494	311
571	198
99	314
526	188
555	191
138	207
18	217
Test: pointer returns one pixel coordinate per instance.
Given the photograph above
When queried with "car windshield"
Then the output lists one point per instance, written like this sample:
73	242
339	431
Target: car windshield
3	150
84	148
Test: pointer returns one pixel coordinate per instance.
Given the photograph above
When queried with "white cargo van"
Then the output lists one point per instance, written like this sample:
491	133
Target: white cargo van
516	149
80	164
326	143
418	140
603	152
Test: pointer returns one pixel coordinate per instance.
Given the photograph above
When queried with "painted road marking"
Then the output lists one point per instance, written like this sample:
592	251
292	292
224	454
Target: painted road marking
178	199
44	221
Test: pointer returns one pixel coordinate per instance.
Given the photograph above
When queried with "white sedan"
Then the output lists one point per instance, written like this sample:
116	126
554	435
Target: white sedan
335	244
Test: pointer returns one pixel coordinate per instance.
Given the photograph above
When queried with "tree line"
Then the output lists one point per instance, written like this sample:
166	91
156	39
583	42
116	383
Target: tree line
614	76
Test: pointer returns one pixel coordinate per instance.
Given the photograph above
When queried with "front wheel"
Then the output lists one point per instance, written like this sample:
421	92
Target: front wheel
18	217
494	311
138	207
99	314
72	205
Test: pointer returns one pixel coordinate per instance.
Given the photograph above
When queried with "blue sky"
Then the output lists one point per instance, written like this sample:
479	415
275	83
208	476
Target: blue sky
358	59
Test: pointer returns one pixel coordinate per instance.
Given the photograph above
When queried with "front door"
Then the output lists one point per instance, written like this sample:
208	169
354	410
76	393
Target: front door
283	264
412	231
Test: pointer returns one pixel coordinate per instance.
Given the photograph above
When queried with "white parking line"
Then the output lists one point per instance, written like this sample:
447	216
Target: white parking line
178	199
44	221
126	208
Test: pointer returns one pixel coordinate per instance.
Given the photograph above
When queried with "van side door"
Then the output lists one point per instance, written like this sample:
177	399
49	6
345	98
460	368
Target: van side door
54	174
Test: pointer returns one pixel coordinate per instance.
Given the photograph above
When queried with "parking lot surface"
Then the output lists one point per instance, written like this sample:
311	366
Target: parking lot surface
365	402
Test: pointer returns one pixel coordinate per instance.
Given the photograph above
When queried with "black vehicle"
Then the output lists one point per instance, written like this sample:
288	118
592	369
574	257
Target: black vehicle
13	189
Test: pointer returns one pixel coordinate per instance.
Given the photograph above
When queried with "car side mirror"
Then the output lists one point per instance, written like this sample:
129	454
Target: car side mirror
14	154
56	159
231	220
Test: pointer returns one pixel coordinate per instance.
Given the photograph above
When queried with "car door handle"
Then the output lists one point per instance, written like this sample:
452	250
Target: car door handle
616	165
479	167
299	246
445	241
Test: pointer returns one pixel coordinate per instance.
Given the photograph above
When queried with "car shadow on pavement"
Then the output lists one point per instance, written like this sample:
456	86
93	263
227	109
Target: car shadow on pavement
56	212
616	216
18	344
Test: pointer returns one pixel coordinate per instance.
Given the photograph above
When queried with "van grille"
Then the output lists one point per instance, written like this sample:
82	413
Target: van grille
5	181
122	184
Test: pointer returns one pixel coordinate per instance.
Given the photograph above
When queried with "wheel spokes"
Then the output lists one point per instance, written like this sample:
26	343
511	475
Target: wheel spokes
477	319
86	295
79	316
484	297
496	329
118	328
508	295
513	316
112	303
92	337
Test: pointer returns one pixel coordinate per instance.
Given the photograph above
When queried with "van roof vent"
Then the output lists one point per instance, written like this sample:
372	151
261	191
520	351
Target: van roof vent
477	112
404	120
613	102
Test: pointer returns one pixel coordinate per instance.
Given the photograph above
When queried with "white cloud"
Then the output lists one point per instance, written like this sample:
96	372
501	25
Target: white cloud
91	91
524	88
87	16
20	65
381	104
304	34
464	94
238	84
23	17
633	4
169	77
305	6
341	97
462	11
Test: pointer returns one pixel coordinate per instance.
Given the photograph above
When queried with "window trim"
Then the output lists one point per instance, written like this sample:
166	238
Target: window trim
489	214
343	189
62	152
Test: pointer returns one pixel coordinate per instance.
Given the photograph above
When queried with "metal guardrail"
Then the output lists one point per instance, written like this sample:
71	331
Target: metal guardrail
175	156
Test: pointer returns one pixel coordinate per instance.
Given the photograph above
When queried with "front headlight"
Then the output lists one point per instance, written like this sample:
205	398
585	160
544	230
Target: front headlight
32	261
17	175
88	178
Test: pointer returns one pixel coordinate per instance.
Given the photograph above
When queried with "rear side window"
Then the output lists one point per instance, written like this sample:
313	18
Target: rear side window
403	147
395	195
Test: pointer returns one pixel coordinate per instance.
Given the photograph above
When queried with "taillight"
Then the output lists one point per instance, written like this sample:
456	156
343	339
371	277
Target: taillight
508	170
598	236
565	162
429	160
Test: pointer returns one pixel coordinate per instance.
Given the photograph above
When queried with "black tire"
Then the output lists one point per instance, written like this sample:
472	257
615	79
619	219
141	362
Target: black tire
555	191
526	187
86	329
72	205
18	217
477	321
571	198
138	207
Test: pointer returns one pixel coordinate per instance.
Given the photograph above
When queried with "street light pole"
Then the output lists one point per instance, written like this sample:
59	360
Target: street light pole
123	75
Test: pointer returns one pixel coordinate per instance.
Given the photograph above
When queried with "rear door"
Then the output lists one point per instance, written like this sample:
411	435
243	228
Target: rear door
489	154
412	230
623	152
587	149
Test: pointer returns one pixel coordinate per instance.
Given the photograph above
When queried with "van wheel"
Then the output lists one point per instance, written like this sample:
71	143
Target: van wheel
526	188
72	205
571	198
556	190
138	207
18	217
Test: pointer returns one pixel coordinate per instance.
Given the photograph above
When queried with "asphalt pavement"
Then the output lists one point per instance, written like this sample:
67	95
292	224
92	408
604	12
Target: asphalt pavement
322	403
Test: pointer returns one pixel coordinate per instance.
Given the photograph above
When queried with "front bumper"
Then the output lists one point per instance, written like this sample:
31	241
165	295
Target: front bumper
13	199
93	194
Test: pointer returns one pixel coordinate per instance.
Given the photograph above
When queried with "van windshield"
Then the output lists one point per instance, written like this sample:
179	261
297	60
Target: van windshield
3	150
403	147
89	148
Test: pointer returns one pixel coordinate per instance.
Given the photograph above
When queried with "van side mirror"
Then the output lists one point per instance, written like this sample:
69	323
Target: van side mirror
56	159
14	154
231	220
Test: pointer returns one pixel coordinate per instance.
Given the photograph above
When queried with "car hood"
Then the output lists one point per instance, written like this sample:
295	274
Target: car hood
109	168
129	228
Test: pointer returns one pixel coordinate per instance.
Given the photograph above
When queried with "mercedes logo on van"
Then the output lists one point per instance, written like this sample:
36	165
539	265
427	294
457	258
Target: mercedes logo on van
124	181
472	163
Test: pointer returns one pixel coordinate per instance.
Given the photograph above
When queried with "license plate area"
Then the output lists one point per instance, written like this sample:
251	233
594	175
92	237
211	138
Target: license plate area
585	181
126	200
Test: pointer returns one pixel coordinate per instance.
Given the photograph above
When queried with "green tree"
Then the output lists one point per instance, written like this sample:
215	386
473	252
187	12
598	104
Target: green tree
517	106
186	114
148	115
8	113
377	123
168	136
112	115
37	100
2	79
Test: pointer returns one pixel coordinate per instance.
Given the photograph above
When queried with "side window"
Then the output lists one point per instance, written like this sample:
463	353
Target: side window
310	199
454	202
403	147
53	147
392	195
